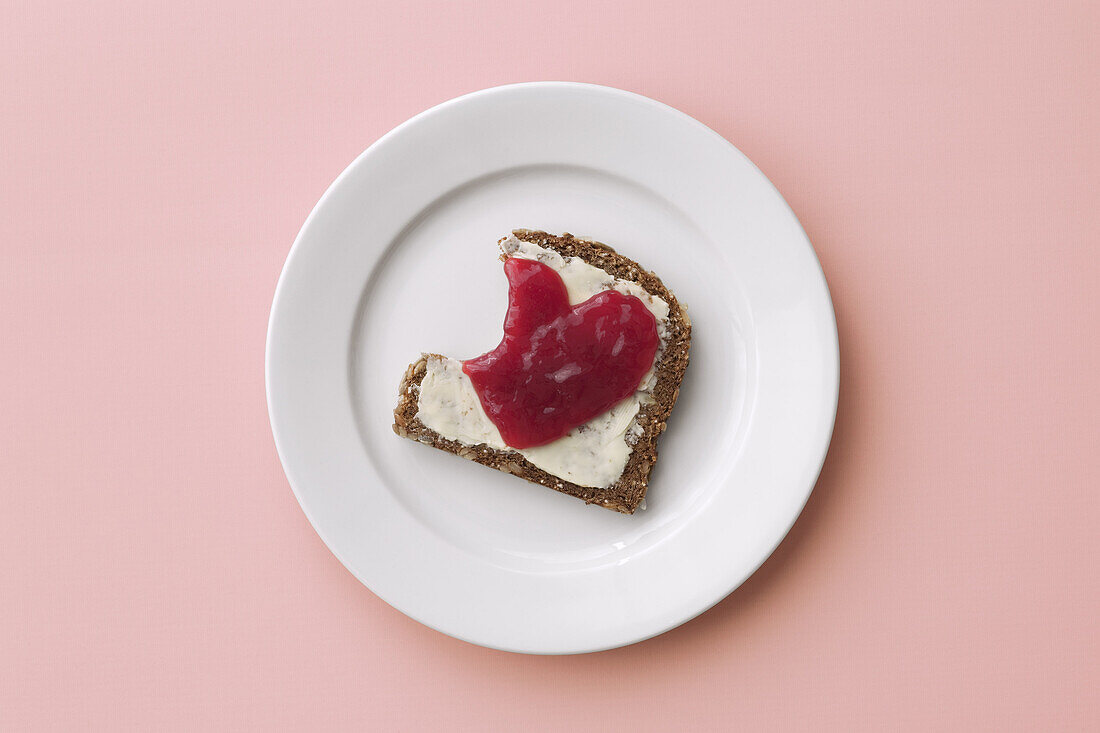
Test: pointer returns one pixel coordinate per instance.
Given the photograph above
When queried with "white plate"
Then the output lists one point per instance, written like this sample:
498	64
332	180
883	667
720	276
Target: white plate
400	257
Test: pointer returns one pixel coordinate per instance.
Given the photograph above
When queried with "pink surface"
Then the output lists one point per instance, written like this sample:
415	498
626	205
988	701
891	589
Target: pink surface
155	166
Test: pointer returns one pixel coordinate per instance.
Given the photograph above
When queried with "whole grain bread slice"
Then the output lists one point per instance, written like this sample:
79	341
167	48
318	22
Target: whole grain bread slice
627	493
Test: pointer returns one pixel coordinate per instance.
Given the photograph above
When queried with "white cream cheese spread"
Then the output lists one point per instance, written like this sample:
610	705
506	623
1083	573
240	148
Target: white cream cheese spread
593	454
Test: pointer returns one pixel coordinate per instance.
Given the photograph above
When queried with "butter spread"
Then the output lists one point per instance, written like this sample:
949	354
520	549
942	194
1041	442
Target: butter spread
593	454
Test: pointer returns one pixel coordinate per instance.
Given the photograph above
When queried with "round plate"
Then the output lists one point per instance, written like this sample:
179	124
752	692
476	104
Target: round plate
399	257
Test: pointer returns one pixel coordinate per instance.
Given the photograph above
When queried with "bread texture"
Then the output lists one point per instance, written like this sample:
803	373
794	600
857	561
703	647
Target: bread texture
628	491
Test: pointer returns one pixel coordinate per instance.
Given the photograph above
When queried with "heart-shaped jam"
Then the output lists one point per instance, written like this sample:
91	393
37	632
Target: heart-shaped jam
560	366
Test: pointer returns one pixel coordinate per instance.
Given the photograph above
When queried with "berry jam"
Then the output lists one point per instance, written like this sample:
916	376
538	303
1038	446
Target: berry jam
558	367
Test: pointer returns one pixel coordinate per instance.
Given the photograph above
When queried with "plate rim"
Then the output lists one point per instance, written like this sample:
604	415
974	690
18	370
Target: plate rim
833	386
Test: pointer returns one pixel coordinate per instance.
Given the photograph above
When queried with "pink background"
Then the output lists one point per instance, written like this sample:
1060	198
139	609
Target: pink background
155	165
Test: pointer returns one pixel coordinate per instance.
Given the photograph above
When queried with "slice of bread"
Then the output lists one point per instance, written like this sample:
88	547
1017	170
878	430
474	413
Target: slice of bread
627	493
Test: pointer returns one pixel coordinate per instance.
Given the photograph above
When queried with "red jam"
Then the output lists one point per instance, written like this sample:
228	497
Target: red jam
558	367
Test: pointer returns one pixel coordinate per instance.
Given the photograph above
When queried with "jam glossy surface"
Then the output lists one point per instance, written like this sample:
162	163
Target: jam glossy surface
560	366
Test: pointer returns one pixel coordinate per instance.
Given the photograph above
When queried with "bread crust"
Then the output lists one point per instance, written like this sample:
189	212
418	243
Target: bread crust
628	491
